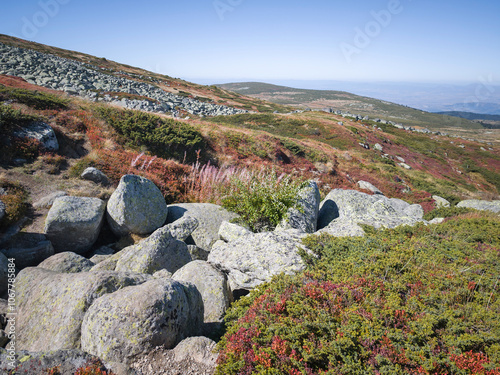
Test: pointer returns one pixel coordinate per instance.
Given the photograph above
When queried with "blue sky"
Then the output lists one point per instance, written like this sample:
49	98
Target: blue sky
357	40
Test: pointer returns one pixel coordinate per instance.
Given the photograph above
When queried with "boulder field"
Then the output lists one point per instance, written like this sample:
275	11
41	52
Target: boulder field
170	289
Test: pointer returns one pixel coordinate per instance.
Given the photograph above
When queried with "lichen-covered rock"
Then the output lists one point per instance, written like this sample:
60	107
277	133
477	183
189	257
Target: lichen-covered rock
440	202
493	206
42	132
74	223
136	206
158	251
197	253
256	258
210	218
51	305
40	363
304	214
95	175
182	228
213	287
67	262
360	208
2	210
365	185
136	319
229	232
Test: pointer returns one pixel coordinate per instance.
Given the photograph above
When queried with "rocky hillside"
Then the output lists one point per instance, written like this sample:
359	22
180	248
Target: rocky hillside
135	214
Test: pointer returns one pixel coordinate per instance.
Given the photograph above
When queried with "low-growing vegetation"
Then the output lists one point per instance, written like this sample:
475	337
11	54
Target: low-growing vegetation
15	200
420	300
35	99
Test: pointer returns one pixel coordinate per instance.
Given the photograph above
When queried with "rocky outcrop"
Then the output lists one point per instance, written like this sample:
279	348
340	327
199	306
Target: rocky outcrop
350	206
91	82
214	289
42	132
95	175
136	319
256	258
210	218
74	223
304	214
67	262
493	206
136	206
365	185
51	305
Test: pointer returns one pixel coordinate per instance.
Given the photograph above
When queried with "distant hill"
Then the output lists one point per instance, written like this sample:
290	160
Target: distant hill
344	101
488	121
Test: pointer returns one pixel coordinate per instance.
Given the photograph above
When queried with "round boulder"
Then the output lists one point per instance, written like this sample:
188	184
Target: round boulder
135	320
74	223
136	206
67	262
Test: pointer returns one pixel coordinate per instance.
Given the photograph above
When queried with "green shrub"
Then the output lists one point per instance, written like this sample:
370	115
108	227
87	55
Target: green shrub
35	99
165	138
447	212
15	200
261	199
421	300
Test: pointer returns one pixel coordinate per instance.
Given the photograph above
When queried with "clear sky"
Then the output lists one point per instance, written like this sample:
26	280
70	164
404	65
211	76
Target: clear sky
357	40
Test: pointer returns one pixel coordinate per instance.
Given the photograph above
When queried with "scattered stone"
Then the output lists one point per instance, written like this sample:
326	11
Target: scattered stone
365	185
136	206
437	220
51	305
95	175
134	320
67	262
48	201
304	214
214	289
493	206
401	159
210	218
229	232
256	258
405	166
378	147
440	202
199	349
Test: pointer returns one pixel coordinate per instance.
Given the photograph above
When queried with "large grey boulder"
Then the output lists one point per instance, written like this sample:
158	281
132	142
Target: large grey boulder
213	287
51	305
67	262
375	210
134	320
158	251
42	132
493	206
210	218
136	206
304	214
256	258
74	223
95	175
198	349
343	228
